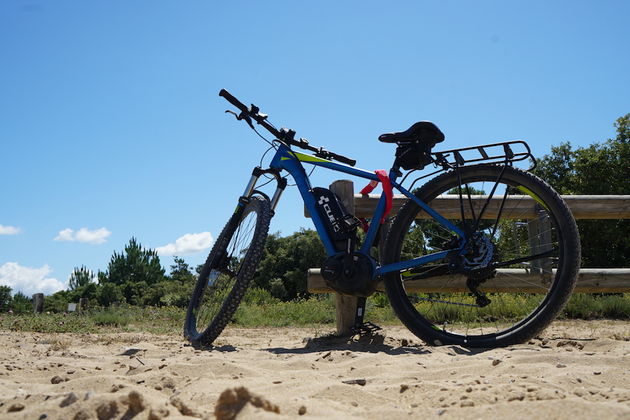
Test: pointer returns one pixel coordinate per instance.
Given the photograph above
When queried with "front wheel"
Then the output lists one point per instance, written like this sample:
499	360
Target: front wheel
227	272
511	276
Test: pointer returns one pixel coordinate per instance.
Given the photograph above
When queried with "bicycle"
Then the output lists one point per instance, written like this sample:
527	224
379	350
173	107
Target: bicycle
482	255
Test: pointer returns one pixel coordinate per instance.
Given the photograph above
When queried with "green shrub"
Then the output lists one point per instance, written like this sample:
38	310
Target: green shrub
582	306
592	306
259	296
109	293
111	317
298	312
616	307
379	300
21	304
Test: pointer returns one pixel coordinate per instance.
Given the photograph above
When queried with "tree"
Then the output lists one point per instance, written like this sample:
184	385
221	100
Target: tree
596	169
80	277
557	168
58	301
134	271
108	293
134	265
5	298
286	261
101	277
179	289
88	291
174	290
21	303
180	271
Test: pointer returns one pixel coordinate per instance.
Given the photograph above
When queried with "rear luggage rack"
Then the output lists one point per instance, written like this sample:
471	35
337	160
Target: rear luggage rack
504	153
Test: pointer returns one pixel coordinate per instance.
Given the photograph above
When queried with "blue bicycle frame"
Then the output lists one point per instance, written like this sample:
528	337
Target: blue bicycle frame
291	161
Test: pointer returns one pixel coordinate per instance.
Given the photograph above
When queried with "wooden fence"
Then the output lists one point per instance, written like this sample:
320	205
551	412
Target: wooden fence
590	280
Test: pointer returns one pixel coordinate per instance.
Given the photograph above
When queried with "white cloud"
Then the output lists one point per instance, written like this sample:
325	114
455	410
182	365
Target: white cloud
29	280
187	244
9	230
84	235
65	235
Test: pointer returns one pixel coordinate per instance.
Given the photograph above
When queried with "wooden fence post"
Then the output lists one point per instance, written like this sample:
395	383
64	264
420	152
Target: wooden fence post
38	303
346	306
539	234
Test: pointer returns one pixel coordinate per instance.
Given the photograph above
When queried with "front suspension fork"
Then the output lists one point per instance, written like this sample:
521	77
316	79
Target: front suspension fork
280	181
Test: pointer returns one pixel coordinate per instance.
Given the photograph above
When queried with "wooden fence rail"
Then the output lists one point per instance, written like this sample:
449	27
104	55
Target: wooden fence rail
590	280
582	206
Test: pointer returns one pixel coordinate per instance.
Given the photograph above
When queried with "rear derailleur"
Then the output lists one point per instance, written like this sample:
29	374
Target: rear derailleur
476	265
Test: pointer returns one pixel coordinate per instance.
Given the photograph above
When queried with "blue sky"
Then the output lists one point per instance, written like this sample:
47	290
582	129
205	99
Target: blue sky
111	127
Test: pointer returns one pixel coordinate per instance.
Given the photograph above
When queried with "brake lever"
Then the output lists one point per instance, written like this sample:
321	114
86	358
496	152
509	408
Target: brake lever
229	111
241	116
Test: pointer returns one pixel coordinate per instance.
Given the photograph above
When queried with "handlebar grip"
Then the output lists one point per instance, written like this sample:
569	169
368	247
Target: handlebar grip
231	99
343	159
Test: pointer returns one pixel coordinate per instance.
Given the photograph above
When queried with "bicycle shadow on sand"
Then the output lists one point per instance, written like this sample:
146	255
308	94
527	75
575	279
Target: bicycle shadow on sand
379	343
366	343
374	342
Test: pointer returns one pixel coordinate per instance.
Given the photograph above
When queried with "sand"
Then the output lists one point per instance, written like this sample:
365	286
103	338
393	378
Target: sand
577	370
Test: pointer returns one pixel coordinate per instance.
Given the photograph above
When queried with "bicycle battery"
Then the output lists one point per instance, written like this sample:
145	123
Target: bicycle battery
340	225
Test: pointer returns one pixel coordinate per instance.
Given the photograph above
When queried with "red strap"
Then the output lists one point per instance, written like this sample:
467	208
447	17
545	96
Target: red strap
387	188
369	187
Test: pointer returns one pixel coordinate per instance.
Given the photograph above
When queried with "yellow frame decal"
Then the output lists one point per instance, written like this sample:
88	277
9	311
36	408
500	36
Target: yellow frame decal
305	158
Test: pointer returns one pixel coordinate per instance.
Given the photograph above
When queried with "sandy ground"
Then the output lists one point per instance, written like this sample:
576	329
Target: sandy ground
575	370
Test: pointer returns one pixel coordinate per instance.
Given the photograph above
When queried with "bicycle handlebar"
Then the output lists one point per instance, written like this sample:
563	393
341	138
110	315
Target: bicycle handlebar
231	99
339	158
284	135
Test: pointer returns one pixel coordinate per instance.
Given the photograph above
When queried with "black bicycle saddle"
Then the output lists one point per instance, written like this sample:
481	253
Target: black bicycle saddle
420	132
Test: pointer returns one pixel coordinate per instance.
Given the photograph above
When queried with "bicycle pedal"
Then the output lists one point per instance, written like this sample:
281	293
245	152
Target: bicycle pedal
366	328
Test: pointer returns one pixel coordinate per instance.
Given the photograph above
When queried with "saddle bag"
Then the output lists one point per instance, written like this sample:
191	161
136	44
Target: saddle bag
414	155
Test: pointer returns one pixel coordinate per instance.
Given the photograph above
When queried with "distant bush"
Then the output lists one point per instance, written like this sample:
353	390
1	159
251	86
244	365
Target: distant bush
111	317
258	296
298	312
588	306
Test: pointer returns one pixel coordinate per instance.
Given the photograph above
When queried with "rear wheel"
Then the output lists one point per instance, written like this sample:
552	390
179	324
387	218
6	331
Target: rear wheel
227	272
513	276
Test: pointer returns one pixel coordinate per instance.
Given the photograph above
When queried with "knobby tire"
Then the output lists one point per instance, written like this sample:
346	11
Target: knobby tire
427	314
229	268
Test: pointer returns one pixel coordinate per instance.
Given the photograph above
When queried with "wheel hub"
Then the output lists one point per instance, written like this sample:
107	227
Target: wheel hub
476	266
481	253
